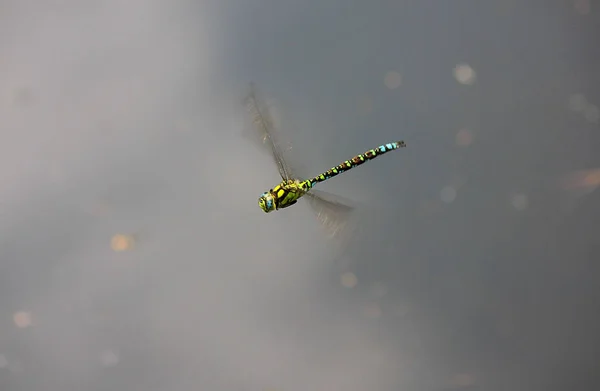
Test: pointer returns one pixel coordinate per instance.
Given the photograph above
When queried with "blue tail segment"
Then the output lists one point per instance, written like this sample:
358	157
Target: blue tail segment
357	161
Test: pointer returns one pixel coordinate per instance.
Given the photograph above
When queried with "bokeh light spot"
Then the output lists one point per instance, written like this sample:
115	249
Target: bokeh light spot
577	102
15	367
121	242
448	194
464	138
379	289
462	380
392	80
183	126
429	207
56	174
23	96
582	7
349	280
592	113
464	74
519	201
22	319
401	308
109	358
373	311
592	178
365	106
583	179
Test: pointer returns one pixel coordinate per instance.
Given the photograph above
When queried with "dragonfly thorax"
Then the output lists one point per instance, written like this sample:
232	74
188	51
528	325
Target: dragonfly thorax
283	195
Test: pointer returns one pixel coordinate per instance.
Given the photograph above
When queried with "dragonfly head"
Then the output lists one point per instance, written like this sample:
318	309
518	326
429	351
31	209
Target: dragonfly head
266	202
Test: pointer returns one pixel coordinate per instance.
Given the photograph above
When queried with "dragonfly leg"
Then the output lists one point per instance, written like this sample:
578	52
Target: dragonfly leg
290	204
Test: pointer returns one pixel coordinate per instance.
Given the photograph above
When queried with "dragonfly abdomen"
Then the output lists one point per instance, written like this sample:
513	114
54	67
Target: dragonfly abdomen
357	161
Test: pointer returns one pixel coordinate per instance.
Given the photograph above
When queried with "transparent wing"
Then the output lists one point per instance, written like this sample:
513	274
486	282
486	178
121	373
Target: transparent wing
263	123
333	212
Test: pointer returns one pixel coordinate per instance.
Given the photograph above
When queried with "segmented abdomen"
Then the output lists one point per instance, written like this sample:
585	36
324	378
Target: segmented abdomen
357	161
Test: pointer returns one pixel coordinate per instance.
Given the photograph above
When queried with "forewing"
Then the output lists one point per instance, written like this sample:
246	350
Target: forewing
263	124
334	213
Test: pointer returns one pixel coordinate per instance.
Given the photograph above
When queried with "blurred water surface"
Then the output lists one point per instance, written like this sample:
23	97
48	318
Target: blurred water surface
133	254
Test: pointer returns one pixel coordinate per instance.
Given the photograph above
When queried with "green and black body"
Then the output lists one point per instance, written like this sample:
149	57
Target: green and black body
290	189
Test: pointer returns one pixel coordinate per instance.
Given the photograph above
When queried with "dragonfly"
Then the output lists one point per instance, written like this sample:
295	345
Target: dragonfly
331	210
